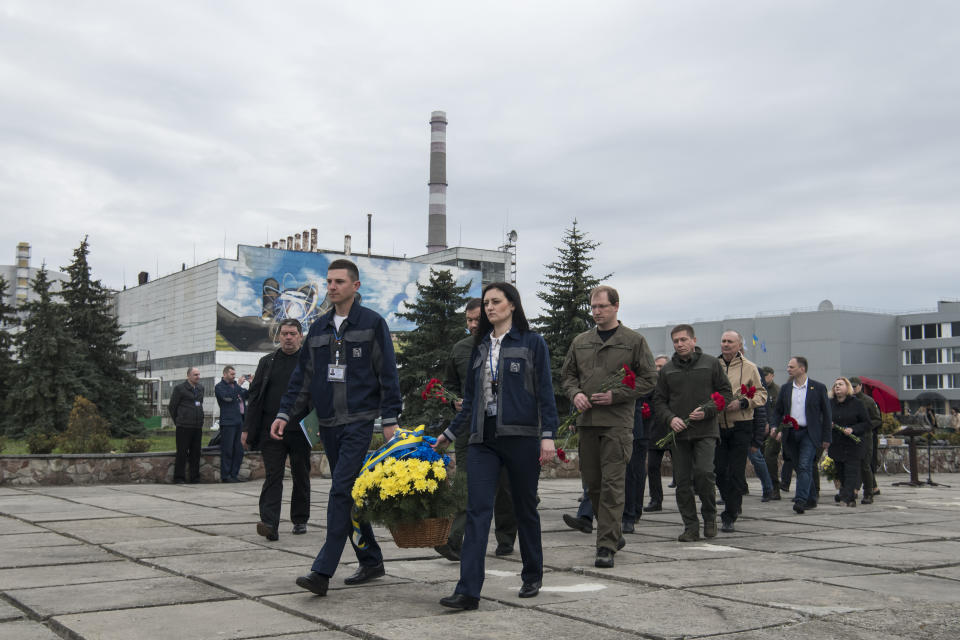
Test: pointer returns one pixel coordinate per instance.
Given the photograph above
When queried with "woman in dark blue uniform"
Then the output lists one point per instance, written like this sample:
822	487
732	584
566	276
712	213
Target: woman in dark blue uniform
509	407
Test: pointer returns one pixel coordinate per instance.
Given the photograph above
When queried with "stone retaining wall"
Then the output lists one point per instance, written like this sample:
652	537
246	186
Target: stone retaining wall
122	468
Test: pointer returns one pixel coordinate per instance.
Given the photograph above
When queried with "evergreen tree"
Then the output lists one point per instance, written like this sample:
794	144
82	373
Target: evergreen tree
51	370
567	299
423	352
93	324
8	320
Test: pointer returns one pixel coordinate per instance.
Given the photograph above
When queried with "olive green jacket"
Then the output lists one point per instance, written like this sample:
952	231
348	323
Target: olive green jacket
873	411
591	362
685	385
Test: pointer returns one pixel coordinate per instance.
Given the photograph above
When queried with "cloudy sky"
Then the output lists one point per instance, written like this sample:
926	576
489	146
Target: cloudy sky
732	158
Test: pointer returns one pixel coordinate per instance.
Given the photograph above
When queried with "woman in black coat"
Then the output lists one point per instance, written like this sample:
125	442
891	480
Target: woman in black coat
851	416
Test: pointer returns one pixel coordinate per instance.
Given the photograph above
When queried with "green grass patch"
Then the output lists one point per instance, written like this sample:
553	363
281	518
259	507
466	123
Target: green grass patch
160	442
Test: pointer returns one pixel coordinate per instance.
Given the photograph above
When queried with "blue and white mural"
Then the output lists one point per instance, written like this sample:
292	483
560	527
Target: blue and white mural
264	286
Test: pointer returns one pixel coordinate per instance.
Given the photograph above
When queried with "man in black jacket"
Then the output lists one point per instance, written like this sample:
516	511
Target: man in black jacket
269	384
186	411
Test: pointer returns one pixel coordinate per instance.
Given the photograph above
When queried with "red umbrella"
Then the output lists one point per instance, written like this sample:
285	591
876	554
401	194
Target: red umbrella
883	394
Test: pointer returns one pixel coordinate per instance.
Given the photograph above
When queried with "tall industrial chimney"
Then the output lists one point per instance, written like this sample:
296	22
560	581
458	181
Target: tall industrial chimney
437	223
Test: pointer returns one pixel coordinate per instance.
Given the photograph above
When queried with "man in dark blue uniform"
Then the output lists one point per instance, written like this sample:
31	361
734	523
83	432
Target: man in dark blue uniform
348	374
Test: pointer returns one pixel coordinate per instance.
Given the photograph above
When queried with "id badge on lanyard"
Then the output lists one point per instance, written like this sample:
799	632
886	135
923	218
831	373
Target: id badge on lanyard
337	372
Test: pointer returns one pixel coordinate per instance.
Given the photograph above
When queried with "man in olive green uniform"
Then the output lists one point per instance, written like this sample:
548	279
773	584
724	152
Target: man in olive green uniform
876	419
505	523
606	416
683	399
771	446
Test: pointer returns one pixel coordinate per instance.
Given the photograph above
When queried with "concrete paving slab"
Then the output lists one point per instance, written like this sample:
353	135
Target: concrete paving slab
783	544
437	569
952	573
186	516
884	557
108	596
195	564
925	621
26	630
360	605
907	586
226	620
861	537
488	624
949	549
77	512
9	612
179	546
654	613
759	567
12	525
126	531
318	635
814	629
44	539
558	586
929	530
802	596
73	554
776	527
74	574
715	548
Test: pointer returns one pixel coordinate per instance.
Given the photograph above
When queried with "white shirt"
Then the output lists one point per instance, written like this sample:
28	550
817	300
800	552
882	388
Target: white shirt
798	404
338	320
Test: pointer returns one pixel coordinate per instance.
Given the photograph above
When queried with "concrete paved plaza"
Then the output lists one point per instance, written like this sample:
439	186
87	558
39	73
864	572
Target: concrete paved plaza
184	561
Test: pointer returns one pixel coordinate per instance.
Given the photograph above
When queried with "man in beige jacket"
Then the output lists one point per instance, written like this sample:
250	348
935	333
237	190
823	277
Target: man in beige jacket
736	427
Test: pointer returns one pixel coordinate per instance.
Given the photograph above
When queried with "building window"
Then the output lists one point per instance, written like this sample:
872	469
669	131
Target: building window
951	381
912	382
913	332
913	356
951	354
931	381
931	356
931	331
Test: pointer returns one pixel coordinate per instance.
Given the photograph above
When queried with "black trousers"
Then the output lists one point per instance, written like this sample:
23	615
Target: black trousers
636	479
188	451
275	452
654	460
730	464
849	474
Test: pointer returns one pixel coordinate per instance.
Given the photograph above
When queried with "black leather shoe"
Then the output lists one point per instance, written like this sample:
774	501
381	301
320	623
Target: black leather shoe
653	506
314	582
460	601
621	543
604	558
627	527
867	500
798	507
811	504
530	589
776	495
727	526
365	574
672	485
448	552
268	532
299	528
503	549
580	524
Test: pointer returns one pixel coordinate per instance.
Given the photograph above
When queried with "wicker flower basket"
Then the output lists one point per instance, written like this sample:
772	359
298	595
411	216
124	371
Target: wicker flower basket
431	532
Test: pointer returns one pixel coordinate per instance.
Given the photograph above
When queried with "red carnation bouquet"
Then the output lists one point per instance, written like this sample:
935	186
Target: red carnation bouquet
436	390
624	377
716	400
789	422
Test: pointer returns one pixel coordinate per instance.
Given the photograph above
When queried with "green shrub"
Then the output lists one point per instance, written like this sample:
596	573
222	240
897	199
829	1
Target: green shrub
87	431
3	443
136	445
889	424
41	442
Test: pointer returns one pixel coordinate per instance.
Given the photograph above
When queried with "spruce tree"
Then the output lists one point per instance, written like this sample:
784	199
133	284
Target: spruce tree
8	320
93	324
51	370
423	353
567	299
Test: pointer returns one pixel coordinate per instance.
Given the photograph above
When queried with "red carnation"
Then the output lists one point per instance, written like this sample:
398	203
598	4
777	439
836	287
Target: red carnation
561	454
645	411
718	400
443	400
743	389
791	422
424	394
752	391
629	378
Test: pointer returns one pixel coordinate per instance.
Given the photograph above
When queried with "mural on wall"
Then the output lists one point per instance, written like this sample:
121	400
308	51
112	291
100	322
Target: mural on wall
264	286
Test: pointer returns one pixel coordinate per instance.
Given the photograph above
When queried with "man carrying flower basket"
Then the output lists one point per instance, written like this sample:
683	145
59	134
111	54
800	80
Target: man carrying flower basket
691	392
606	413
